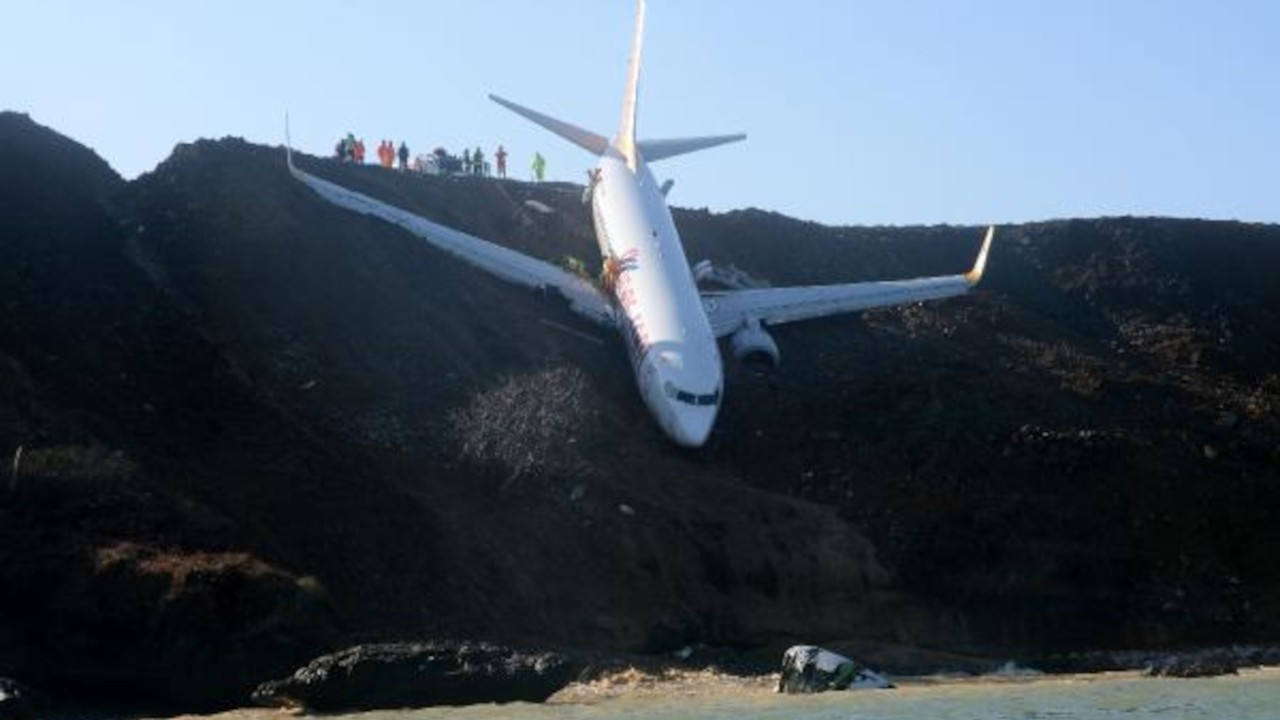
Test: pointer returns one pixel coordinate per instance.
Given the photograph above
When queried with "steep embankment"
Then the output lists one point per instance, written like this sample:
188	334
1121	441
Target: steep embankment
255	424
553	511
289	422
1081	453
118	581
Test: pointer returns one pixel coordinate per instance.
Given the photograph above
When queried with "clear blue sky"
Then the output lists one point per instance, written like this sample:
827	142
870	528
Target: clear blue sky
966	111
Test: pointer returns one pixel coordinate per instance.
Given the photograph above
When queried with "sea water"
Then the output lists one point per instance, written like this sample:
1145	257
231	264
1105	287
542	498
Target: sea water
1251	695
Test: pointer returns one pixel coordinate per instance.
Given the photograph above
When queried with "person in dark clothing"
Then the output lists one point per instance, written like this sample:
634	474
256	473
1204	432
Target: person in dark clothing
404	156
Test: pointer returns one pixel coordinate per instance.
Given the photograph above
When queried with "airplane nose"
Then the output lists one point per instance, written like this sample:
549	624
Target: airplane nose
690	427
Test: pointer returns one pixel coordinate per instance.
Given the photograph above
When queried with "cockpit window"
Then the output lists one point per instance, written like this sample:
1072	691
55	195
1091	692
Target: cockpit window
689	398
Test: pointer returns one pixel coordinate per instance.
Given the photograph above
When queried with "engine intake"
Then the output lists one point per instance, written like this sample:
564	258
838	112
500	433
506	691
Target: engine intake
754	347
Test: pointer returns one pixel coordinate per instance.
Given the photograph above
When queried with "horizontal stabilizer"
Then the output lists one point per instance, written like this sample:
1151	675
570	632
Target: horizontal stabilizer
585	139
654	150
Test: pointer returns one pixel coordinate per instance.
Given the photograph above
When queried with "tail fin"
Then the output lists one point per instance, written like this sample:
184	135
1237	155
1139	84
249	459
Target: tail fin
584	139
626	143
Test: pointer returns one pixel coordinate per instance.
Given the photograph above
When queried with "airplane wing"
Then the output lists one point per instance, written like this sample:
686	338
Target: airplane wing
730	310
514	267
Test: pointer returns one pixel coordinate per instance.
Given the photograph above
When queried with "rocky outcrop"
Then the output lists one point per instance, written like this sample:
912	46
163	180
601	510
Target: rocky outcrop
810	669
138	627
1210	660
1192	667
404	675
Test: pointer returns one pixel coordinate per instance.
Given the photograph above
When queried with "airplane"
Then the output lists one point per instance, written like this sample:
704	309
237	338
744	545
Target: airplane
647	291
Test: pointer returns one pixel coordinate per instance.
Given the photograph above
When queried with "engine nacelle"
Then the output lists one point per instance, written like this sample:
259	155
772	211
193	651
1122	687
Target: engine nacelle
754	347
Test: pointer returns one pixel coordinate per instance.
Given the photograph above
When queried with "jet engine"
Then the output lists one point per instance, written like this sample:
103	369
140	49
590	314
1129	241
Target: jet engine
754	347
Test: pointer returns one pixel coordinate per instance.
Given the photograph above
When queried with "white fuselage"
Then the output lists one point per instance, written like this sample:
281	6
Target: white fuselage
673	350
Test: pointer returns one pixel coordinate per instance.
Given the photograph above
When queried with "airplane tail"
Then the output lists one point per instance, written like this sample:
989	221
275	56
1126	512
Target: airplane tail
626	142
585	139
652	150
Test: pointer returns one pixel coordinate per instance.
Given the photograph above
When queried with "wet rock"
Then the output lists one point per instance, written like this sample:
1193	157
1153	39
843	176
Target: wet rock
1192	666
398	675
810	669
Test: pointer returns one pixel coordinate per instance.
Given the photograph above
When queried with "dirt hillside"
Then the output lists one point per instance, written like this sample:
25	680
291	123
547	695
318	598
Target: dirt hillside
255	427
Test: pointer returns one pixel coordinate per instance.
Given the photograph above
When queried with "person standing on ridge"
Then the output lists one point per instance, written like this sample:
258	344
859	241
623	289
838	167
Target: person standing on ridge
360	151
539	166
477	159
404	156
501	156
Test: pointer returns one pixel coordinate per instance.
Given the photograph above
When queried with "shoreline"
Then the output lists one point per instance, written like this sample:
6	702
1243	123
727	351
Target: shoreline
712	675
627	689
636	684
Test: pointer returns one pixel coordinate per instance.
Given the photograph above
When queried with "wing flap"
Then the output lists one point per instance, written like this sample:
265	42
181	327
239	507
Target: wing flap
505	263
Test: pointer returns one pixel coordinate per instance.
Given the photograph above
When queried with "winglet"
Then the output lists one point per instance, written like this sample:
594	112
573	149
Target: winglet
980	265
288	142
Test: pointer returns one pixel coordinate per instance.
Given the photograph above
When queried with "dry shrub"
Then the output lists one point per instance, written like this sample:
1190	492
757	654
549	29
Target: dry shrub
75	462
528	424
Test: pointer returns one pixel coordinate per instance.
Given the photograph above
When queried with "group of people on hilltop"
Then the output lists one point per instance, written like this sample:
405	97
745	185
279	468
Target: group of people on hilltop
387	154
351	149
474	163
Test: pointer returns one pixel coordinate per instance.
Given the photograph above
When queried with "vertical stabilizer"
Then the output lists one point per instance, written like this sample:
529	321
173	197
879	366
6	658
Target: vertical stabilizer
627	130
